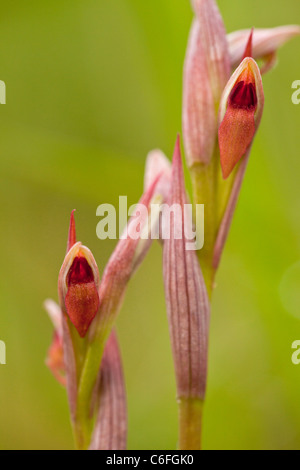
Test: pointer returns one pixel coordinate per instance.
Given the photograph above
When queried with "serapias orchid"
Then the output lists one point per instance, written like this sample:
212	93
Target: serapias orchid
223	102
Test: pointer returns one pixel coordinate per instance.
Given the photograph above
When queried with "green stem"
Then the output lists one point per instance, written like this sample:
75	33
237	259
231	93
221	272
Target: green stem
190	423
83	425
204	184
82	430
224	191
111	303
210	189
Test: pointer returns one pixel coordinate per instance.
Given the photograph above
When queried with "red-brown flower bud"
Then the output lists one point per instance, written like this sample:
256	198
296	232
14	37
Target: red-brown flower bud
240	114
78	284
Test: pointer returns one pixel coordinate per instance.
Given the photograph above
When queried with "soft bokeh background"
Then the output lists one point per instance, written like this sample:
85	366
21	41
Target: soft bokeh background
92	86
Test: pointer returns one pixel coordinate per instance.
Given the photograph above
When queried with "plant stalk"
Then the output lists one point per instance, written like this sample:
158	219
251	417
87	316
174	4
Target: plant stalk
190	423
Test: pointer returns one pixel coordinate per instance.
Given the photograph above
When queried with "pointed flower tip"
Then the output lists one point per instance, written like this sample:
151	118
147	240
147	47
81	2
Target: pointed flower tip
78	287
72	231
240	114
249	47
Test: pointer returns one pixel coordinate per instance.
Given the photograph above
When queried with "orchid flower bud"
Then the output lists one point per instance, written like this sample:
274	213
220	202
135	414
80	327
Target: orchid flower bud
55	357
206	71
110	431
78	284
240	113
186	298
266	42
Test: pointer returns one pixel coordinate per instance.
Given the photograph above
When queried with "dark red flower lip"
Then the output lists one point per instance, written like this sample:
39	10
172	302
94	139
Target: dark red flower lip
78	286
80	272
244	90
79	266
243	96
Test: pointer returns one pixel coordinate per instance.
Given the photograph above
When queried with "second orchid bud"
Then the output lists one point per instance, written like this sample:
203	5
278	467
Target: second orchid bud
240	113
78	287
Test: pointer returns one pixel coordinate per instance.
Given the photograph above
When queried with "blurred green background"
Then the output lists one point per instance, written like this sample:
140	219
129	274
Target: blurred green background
92	86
